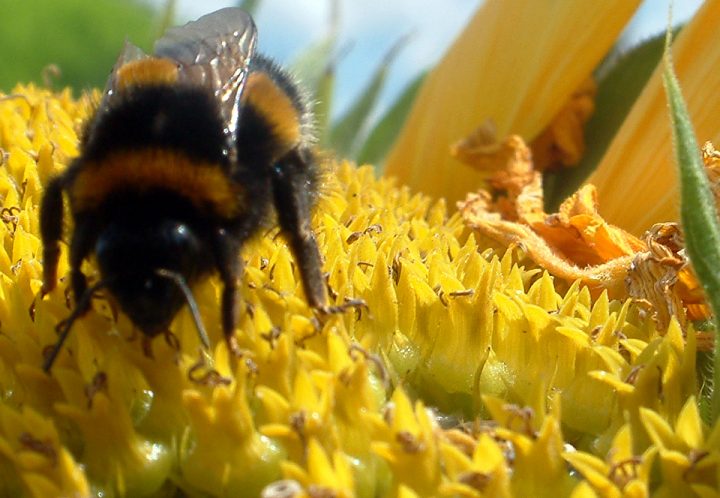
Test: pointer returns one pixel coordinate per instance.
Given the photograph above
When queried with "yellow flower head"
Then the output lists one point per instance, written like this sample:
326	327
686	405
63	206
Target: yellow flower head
471	371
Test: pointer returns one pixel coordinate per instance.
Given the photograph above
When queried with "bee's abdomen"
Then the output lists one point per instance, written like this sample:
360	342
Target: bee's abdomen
274	114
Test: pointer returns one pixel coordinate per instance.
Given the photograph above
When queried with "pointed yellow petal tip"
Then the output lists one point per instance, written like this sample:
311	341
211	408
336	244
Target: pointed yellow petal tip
622	470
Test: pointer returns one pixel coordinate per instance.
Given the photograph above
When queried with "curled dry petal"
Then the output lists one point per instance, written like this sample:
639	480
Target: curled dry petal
576	243
661	277
562	143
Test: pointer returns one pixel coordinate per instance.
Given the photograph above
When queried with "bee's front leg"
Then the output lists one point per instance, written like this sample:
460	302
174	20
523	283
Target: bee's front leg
51	224
229	265
292	182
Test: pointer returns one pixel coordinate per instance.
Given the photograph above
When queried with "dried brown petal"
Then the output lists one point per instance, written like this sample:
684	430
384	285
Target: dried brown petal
562	143
576	243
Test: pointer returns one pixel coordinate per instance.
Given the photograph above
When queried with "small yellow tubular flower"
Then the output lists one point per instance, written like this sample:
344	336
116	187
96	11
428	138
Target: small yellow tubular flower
406	492
304	405
536	438
407	441
324	476
356	390
659	376
307	415
329	397
503	69
118	458
33	461
690	465
485	473
621	474
222	454
637	178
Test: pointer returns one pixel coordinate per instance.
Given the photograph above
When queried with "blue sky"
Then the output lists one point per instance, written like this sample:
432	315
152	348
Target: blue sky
369	27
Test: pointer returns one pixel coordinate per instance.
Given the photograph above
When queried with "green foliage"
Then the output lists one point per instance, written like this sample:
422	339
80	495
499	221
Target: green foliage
382	137
698	211
314	62
81	37
249	6
324	92
166	16
351	135
346	133
315	69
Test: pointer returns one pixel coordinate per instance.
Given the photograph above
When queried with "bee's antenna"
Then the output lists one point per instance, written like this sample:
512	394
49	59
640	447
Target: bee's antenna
63	328
179	280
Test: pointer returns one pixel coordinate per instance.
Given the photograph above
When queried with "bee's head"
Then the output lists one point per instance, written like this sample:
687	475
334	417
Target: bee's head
135	262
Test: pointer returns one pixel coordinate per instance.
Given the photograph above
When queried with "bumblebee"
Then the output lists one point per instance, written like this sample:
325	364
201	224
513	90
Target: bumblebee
183	160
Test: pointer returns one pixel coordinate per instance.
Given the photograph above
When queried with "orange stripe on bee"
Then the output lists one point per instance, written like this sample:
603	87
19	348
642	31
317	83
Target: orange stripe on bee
148	71
206	185
275	107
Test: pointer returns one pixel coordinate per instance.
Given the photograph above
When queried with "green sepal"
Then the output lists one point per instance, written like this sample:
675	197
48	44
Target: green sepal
698	211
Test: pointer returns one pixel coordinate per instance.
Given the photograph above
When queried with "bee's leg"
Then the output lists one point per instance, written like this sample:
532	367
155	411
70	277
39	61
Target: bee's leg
292	203
51	224
63	327
229	264
80	247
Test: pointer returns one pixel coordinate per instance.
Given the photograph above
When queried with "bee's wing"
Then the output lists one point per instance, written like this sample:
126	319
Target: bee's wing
129	53
214	52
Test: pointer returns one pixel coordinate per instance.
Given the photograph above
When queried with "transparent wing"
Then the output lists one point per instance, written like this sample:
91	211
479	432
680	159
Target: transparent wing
227	35
214	51
129	53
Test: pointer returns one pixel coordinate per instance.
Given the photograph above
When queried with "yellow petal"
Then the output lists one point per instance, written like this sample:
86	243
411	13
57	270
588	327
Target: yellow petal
504	69
583	490
593	469
658	429
319	465
636	179
689	425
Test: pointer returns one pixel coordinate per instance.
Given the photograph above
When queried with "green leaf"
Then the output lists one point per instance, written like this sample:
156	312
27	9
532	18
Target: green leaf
317	61
83	38
249	6
619	85
698	212
381	138
313	63
167	17
323	104
315	67
345	134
